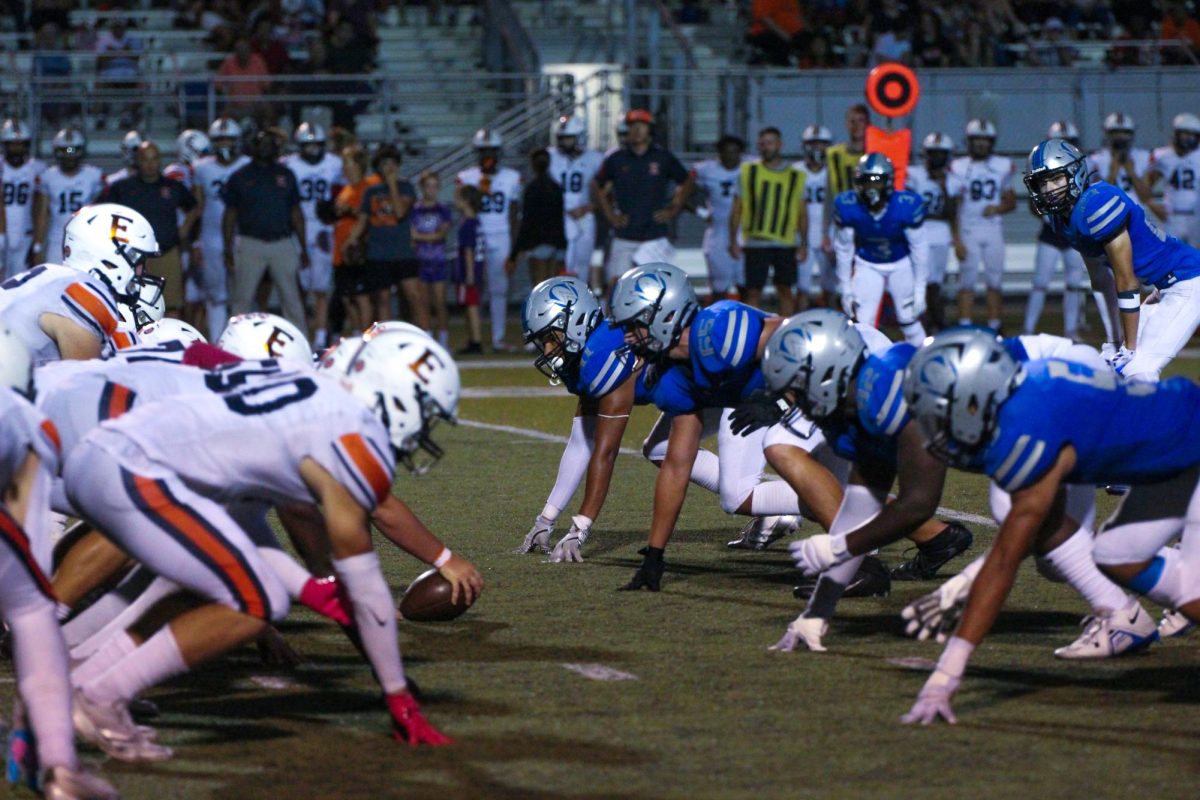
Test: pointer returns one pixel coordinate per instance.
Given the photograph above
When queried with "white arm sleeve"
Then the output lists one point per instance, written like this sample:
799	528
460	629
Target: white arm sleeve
843	248
918	246
573	465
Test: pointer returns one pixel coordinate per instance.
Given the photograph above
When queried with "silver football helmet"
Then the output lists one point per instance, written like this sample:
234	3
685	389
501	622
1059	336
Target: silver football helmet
874	179
955	386
811	360
1047	162
558	317
654	303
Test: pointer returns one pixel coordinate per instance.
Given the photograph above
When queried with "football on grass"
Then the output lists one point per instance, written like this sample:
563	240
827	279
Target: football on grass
427	599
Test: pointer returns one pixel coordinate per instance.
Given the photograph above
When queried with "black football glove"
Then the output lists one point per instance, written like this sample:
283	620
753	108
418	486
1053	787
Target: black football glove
649	574
759	410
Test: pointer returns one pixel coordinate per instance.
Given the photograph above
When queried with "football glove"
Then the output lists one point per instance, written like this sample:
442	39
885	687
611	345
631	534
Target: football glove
936	614
934	701
649	574
325	596
759	410
818	553
806	630
538	537
570	546
409	724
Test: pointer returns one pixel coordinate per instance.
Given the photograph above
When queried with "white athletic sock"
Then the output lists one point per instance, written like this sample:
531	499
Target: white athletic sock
290	573
706	470
772	498
914	333
218	315
93	618
572	466
375	617
1110	330
158	589
1073	560
1072	303
120	645
157	660
40	660
498	307
1033	310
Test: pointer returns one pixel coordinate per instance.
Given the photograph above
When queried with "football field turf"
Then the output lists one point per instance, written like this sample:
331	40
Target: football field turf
693	704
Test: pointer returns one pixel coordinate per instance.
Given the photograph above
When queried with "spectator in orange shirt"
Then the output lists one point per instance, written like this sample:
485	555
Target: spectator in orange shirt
1179	24
349	263
243	64
777	30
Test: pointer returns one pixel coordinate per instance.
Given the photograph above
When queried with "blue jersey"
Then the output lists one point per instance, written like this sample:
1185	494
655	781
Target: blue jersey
880	240
1131	433
723	366
882	413
604	365
1103	211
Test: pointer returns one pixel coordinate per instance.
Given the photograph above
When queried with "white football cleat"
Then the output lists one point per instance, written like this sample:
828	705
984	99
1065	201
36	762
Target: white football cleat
808	630
1107	636
110	728
1173	624
61	783
760	532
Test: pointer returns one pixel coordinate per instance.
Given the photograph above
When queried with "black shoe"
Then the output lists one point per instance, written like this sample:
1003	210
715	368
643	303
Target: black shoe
472	349
933	554
871	580
649	574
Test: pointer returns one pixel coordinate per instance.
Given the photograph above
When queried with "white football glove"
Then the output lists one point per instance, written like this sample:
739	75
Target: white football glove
803	630
818	553
937	613
934	701
570	546
538	537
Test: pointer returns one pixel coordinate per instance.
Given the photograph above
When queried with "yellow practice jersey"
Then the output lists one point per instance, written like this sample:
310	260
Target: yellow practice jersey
771	200
841	163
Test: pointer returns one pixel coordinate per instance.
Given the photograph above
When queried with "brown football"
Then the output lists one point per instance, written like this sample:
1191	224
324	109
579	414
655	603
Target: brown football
427	599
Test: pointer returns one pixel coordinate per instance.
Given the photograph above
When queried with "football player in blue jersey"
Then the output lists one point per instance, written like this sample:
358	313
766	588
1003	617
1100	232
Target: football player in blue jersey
700	364
881	247
846	377
1105	225
978	407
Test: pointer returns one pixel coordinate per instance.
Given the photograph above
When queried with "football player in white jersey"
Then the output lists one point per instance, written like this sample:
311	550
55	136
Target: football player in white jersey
130	142
319	178
718	178
21	174
1177	164
572	166
987	196
1051	247
501	190
63	189
70	311
941	191
815	139
211	172
29	457
1119	162
315	439
190	146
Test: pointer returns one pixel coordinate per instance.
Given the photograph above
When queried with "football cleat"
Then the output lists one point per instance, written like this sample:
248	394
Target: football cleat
110	728
21	767
806	630
538	537
76	784
649	574
932	555
409	724
1109	635
1173	624
871	580
761	532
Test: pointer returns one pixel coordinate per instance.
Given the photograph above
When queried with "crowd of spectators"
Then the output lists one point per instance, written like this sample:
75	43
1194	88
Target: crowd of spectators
951	33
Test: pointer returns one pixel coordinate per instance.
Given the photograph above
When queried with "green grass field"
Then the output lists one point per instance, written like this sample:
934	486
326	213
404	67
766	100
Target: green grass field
709	713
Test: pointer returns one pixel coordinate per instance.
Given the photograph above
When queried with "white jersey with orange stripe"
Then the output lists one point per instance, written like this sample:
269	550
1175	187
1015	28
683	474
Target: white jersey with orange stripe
23	428
288	418
78	296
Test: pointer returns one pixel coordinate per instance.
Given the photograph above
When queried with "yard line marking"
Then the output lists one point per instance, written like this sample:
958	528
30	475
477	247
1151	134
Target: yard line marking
485	392
599	672
503	363
529	433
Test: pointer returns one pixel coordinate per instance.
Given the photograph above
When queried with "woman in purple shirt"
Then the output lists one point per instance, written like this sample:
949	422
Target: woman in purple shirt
430	222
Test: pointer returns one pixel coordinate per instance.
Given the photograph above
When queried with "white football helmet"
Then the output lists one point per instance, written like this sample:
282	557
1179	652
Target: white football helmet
487	139
225	133
570	125
1064	129
170	329
70	146
147	306
980	128
16	364
391	326
259	336
130	142
1119	121
410	382
309	133
14	130
1186	122
937	141
816	133
110	241
191	145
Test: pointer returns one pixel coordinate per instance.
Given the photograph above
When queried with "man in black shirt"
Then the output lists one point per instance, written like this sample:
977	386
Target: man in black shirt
542	234
262	209
639	176
160	200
